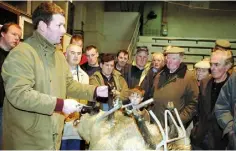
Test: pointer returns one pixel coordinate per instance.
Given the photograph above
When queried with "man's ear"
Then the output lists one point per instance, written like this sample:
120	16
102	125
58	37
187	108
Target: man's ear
42	26
227	67
100	65
181	57
2	34
66	55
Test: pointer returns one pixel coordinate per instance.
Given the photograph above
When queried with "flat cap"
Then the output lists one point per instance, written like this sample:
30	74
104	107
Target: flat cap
166	48
206	59
202	64
175	50
223	43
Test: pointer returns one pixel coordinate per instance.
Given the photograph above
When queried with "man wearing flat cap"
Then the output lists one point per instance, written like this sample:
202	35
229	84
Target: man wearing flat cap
175	84
202	69
222	44
207	134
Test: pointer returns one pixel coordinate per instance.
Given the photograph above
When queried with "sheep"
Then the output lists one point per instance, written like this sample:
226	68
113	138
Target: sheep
120	133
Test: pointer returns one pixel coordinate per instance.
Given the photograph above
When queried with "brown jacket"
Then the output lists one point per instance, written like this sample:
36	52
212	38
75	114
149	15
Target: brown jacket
180	88
145	81
120	83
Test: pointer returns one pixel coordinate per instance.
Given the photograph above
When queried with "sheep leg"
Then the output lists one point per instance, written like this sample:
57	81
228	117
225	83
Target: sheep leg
144	131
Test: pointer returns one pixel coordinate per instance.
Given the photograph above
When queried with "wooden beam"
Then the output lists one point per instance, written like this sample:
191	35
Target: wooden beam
13	9
29	7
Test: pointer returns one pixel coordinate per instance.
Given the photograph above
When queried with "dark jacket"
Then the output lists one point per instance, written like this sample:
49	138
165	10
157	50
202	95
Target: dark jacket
226	106
88	69
207	134
180	88
3	55
145	81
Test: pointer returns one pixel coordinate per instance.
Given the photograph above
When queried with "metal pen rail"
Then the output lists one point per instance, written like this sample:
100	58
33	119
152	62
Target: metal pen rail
165	132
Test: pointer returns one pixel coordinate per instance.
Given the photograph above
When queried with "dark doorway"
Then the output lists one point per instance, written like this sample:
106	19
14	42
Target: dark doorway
7	16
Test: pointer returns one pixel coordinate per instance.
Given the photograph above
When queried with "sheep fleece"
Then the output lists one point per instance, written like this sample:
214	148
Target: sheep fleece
120	133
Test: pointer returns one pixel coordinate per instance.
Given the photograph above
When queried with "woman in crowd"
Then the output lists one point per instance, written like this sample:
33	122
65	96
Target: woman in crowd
158	62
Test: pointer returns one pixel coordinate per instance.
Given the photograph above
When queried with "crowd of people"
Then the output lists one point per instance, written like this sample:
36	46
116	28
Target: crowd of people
42	89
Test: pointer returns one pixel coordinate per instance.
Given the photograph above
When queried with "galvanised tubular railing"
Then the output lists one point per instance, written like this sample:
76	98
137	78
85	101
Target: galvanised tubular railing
133	41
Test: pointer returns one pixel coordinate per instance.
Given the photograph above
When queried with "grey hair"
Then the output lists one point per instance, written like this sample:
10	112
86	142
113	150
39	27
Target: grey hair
226	56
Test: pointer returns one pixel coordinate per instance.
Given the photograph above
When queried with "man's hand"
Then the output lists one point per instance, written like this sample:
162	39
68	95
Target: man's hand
232	140
102	91
115	93
70	106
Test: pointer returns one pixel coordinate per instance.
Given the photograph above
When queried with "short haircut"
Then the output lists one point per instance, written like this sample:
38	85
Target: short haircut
6	27
76	38
106	57
137	89
123	51
226	56
91	47
71	45
44	12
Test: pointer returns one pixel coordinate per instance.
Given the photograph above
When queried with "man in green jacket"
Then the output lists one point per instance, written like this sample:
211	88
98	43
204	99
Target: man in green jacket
37	80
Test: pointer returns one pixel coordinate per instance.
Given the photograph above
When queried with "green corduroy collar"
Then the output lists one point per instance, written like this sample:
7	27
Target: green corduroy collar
44	42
